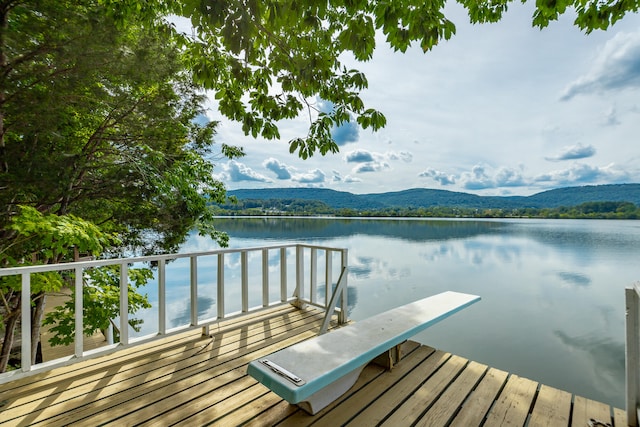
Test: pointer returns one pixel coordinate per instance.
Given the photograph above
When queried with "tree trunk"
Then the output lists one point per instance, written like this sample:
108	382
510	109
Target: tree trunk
4	23
10	323
37	311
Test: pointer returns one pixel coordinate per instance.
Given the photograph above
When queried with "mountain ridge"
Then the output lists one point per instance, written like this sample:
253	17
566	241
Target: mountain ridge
425	197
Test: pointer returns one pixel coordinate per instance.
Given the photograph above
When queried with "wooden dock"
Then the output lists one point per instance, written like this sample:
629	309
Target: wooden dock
188	379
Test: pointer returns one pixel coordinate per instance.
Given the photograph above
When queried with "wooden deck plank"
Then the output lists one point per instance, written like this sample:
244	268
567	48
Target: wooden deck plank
348	408
30	385
225	412
166	361
140	379
110	404
362	391
391	398
475	408
422	398
190	380
619	418
441	413
512	406
274	415
300	417
183	402
552	408
587	409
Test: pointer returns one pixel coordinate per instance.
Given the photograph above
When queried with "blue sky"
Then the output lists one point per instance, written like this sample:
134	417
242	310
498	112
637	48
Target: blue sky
500	109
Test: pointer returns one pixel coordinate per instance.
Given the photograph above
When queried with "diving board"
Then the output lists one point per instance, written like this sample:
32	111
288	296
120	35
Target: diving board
315	372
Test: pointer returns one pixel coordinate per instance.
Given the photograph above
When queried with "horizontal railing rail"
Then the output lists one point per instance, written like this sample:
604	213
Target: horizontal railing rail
265	263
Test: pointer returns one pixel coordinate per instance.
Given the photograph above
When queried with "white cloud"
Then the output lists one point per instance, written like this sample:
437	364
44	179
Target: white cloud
236	172
315	176
280	169
347	179
617	67
509	177
359	156
405	156
477	179
371	167
438	176
611	117
573	152
581	174
350	179
482	177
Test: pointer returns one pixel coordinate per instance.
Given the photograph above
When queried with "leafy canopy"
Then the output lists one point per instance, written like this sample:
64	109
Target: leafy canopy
98	119
269	60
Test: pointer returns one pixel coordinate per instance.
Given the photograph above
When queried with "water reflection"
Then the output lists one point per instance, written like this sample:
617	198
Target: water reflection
352	297
279	229
577	279
205	309
606	356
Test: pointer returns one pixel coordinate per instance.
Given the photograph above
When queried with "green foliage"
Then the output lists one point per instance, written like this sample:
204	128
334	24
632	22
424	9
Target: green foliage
51	238
38	238
101	303
44	239
283	207
97	119
269	60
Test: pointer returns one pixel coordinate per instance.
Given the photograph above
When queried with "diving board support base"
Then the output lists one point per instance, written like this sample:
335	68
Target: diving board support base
324	397
389	358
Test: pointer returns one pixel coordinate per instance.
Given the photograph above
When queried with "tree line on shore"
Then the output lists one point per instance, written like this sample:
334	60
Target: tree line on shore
298	207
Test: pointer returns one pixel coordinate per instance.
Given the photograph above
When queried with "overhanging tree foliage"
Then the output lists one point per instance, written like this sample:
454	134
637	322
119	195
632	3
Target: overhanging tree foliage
97	121
268	60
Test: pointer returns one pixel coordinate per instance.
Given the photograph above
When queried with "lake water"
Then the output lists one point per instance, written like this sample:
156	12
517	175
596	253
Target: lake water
552	291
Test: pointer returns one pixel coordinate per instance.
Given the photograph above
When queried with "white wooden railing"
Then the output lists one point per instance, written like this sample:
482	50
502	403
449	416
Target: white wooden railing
632	359
308	259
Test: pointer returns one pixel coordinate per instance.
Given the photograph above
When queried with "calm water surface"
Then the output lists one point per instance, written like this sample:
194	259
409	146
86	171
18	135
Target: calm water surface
552	291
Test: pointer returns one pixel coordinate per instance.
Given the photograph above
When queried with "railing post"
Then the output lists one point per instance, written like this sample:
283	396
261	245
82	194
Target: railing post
313	274
26	322
328	276
344	304
193	285
79	321
244	271
299	291
632	359
162	297
220	287
124	303
265	277
283	274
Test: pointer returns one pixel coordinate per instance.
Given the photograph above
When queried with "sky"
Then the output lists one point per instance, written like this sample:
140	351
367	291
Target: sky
500	109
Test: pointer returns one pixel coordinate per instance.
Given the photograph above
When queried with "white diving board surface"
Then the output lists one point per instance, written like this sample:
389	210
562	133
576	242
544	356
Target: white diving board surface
315	372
